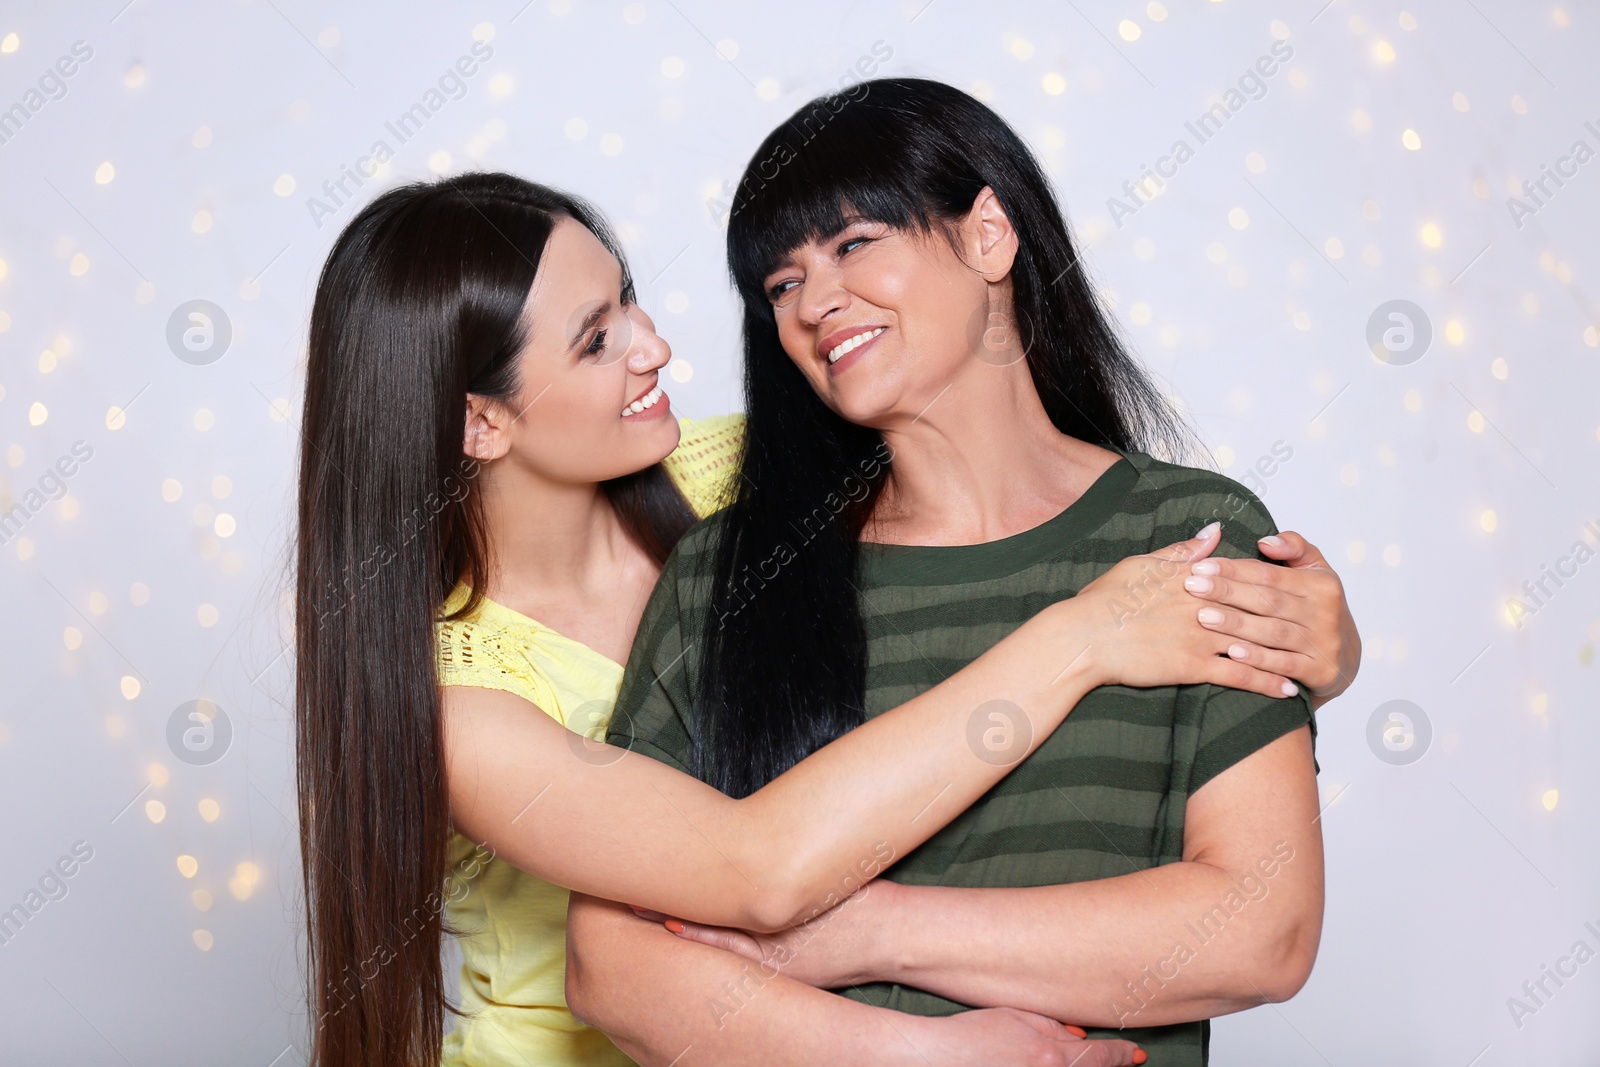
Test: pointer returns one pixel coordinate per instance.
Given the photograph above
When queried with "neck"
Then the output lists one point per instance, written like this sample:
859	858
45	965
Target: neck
982	462
549	540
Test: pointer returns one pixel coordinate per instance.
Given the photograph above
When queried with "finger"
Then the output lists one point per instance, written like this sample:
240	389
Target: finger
1226	671
1267	601
1258	572
1199	546
646	913
1316	673
1279	647
1266	631
1289	547
1272	661
1099	1053
1046	1026
717	937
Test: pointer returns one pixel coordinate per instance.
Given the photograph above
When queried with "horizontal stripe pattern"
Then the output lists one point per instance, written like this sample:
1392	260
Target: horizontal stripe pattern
1105	794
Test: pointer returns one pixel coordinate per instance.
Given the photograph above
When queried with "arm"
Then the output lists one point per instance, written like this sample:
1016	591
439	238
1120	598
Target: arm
802	843
705	1006
716	1005
1245	904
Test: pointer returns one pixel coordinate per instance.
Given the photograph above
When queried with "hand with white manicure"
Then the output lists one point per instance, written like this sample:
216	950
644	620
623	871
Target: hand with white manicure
1288	617
1142	628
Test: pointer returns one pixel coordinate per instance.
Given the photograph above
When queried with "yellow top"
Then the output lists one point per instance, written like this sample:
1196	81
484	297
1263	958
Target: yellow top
513	970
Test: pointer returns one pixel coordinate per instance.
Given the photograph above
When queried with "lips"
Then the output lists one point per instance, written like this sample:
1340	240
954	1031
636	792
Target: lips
644	401
841	343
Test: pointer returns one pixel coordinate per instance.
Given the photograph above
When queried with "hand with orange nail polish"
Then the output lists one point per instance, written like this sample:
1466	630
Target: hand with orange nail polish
1008	1035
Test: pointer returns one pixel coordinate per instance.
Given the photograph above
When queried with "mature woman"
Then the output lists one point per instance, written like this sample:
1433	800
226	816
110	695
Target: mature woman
910	289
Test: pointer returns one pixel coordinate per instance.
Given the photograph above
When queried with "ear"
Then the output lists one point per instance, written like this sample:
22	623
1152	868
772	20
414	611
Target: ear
486	436
991	240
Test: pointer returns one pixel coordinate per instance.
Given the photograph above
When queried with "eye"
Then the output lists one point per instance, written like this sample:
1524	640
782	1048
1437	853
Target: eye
596	346
778	291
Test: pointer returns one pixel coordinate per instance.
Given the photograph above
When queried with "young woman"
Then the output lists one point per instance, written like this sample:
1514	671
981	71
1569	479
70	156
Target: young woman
483	508
909	284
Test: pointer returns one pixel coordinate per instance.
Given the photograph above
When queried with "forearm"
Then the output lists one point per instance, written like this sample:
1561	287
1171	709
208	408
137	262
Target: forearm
902	775
1236	922
800	845
668	1001
1103	953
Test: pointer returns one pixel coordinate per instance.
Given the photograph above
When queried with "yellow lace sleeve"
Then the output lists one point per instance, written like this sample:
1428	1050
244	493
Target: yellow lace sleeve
707	460
489	653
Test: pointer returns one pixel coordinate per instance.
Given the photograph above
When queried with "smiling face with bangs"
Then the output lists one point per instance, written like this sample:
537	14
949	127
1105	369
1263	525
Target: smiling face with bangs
880	269
878	318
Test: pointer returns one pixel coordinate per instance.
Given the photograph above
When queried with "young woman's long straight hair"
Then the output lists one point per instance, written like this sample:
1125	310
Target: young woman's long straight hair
419	304
783	668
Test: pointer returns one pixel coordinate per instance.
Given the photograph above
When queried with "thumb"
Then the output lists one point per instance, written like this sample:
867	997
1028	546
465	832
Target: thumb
1199	546
735	941
1107	1054
1290	548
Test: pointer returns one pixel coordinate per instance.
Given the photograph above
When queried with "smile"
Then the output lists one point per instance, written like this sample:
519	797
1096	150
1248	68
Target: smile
849	345
646	401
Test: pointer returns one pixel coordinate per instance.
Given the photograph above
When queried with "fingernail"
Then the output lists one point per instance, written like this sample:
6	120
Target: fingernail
1077	1031
1206	566
1239	652
1272	539
1197	584
674	925
1139	1056
1208	531
1210	616
1290	689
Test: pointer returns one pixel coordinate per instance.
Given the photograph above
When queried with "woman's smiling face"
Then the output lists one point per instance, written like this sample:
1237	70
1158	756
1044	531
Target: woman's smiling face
589	407
880	320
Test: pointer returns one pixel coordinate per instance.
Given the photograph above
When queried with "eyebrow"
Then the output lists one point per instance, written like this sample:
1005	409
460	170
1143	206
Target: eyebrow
788	257
588	322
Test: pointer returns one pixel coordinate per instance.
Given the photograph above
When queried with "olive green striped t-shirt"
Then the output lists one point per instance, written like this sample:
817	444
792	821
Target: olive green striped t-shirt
1105	794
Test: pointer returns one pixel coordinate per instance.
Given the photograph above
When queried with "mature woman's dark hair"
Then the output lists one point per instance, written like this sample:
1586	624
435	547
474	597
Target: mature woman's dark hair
784	671
419	304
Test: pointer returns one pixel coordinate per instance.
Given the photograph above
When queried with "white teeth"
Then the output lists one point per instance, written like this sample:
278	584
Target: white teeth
648	400
844	348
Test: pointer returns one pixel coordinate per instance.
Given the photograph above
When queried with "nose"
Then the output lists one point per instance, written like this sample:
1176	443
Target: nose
647	350
822	293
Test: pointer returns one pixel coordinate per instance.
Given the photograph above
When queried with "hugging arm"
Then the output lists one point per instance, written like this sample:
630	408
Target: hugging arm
1233	925
520	782
689	1005
1099	953
712	1005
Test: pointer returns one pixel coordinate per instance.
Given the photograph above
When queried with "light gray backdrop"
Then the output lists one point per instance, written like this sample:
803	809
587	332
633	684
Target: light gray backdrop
157	153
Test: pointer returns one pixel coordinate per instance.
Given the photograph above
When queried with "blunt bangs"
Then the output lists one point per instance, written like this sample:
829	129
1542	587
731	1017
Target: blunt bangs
836	159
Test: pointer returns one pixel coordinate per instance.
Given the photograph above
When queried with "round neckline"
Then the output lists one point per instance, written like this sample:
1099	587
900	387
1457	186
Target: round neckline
493	609
889	564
